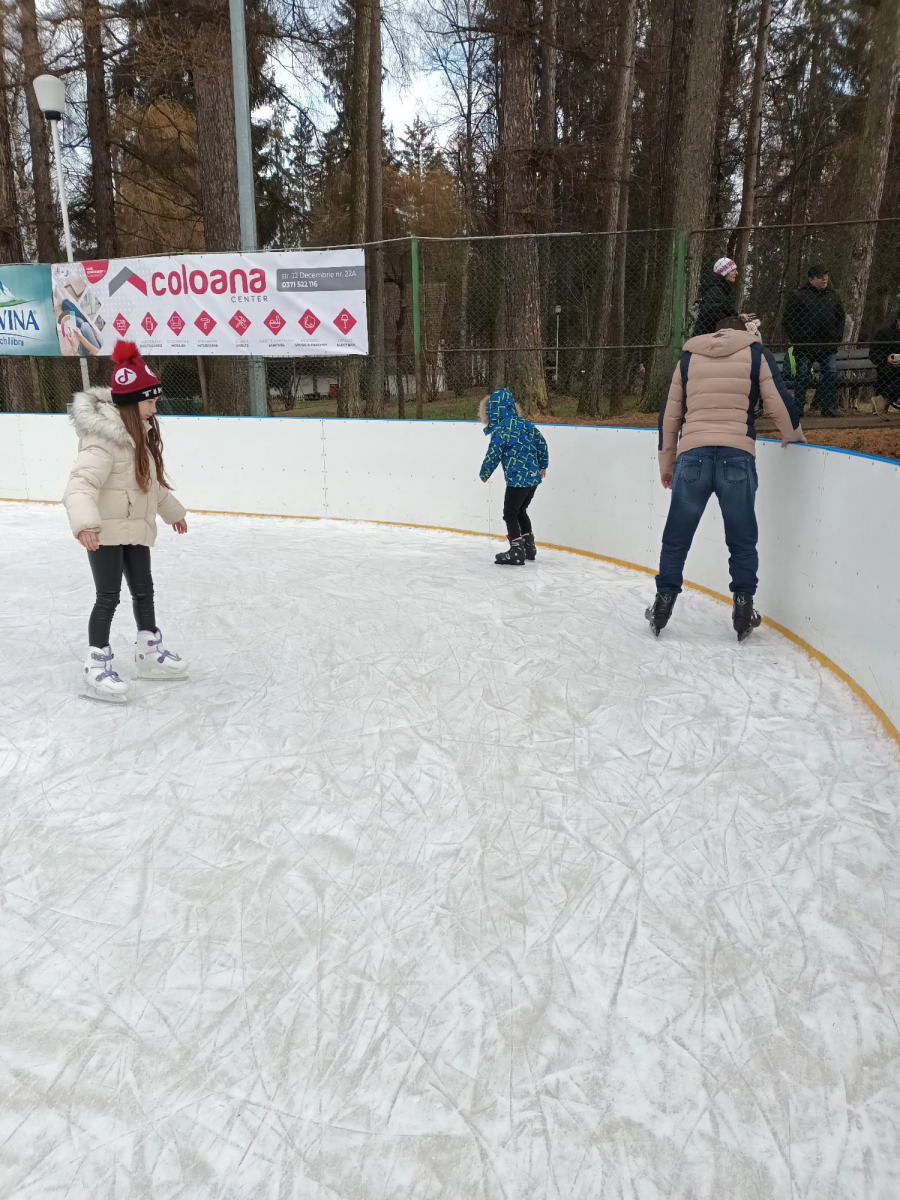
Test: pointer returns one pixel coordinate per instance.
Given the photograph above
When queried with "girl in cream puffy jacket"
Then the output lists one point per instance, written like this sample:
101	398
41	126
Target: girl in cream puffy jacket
103	494
115	491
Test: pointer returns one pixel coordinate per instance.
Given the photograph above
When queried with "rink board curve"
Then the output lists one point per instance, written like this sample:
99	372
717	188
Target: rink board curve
829	576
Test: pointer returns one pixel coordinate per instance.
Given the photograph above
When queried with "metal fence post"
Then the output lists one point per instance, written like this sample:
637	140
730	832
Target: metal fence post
256	368
417	328
681	238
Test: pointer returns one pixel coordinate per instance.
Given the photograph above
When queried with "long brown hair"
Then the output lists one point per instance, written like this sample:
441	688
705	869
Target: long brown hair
144	440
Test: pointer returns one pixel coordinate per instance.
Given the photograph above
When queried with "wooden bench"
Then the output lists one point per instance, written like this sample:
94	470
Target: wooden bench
856	375
855	372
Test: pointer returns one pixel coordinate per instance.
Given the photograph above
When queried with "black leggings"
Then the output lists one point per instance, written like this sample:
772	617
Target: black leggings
107	566
515	511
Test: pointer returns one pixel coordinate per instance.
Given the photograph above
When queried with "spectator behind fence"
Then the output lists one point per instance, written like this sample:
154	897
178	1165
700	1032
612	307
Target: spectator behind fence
885	354
814	325
715	301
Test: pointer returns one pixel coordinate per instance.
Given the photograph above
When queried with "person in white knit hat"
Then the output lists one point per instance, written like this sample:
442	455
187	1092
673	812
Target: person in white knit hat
715	301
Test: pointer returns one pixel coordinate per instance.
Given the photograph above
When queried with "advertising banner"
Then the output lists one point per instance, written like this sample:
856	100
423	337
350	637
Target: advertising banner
26	311
293	303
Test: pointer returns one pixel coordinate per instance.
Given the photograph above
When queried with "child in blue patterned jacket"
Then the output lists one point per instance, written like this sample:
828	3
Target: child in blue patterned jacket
521	448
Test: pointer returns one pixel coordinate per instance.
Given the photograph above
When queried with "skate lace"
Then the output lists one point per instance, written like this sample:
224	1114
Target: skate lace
162	652
107	672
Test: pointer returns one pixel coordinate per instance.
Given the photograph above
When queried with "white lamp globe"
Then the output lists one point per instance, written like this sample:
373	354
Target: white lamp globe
51	96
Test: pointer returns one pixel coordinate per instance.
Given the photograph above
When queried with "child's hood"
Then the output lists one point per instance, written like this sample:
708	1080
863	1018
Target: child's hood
94	415
498	409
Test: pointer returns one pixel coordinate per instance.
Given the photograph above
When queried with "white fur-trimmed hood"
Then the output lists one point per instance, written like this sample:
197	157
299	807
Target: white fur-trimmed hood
94	414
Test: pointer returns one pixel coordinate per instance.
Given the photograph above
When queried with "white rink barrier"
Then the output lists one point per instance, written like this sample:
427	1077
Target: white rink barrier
830	561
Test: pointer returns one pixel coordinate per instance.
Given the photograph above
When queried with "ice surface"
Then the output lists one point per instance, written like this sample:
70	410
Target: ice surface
435	881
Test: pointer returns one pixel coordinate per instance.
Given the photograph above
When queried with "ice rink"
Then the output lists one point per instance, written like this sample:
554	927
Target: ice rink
435	882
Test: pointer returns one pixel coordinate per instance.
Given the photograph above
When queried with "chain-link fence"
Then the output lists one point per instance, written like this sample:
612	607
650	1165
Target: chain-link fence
581	325
823	294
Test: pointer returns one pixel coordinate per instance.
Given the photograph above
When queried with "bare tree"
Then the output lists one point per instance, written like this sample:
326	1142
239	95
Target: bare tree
375	385
519	203
45	221
613	193
103	196
349	399
547	137
216	145
692	178
19	381
754	129
873	146
456	46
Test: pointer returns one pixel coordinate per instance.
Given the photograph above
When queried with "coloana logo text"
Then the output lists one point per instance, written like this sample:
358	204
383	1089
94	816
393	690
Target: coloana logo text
184	282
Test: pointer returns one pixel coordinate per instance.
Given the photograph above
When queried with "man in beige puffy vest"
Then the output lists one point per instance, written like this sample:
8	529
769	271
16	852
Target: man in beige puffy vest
707	444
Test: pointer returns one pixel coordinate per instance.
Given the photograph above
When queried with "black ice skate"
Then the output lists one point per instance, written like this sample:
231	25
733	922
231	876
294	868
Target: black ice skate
514	556
530	548
660	610
744	616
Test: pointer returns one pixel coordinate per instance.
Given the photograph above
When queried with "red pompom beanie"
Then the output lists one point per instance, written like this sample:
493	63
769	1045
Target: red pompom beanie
132	380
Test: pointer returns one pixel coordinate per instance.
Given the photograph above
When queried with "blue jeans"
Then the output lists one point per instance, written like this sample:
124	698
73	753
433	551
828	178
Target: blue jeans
826	391
731	474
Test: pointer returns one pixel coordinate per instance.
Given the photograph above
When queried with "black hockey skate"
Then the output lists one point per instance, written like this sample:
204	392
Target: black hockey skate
660	611
530	548
744	616
514	556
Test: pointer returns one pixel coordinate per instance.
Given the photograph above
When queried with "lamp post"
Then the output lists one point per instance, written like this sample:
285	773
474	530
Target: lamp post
50	93
558	310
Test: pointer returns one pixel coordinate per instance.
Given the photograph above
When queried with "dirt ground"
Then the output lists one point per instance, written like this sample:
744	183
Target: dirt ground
867	434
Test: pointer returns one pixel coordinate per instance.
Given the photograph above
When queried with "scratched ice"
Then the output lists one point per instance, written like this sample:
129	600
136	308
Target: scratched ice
435	881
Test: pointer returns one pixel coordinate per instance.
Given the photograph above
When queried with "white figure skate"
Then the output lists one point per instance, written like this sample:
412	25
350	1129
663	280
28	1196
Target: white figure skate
154	661
100	680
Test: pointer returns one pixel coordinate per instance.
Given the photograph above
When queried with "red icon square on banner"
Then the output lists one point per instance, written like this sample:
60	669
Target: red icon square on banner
205	323
176	324
309	322
121	326
149	325
240	323
344	321
275	322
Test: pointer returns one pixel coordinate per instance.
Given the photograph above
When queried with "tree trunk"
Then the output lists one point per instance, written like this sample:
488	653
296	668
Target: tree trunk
45	206
518	207
216	145
375	362
10	234
693	174
17	390
719	202
617	361
217	157
464	371
98	131
874	144
349	390
668	56
751	156
547	138
593	399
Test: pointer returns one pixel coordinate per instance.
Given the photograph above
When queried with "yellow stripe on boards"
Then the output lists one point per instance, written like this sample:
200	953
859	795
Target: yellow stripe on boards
861	694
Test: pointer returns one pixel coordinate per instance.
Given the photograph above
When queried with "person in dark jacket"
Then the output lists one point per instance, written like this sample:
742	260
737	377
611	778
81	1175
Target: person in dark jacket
814	324
715	301
520	447
884	352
